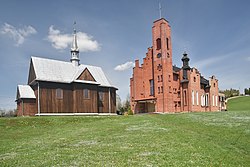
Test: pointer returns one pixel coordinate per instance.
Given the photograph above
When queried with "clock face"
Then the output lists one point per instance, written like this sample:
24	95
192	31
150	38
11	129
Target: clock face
158	55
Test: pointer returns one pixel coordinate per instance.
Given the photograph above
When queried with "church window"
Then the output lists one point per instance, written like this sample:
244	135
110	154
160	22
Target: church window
158	78
192	97
185	97
101	96
194	79
158	44
159	91
216	101
59	93
175	77
214	84
206	100
167	43
86	93
197	98
161	78
213	99
151	87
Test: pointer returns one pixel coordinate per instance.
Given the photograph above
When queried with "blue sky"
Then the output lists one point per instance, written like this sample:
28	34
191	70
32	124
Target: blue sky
215	34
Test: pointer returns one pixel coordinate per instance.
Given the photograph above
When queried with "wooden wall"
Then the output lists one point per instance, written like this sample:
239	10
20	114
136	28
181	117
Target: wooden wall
81	104
26	107
73	98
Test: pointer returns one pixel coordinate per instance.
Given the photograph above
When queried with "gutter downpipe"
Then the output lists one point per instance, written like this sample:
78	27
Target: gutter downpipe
22	108
109	102
38	99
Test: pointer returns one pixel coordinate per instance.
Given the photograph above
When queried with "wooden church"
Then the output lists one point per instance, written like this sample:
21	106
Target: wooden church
65	88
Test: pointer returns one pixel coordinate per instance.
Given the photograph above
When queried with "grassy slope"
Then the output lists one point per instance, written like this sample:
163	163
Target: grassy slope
192	139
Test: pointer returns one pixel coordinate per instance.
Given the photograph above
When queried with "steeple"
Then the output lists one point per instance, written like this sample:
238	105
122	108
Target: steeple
74	49
185	65
185	61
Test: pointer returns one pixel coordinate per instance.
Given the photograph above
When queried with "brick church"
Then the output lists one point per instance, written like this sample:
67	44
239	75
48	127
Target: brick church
158	86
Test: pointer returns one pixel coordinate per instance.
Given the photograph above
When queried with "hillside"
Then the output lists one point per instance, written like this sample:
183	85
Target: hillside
238	104
190	139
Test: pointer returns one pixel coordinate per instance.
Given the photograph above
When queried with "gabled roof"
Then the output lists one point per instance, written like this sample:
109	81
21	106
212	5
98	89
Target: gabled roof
65	72
25	92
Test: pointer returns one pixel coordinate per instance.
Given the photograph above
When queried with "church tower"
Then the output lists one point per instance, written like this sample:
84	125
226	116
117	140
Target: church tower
74	50
163	69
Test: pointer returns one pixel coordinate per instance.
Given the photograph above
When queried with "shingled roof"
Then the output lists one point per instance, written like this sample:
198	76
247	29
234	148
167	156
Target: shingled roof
25	92
65	72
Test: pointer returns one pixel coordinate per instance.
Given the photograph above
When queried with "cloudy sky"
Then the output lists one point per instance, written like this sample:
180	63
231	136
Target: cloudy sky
113	33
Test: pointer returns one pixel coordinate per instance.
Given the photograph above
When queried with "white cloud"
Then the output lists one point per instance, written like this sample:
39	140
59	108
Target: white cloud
18	34
125	66
62	41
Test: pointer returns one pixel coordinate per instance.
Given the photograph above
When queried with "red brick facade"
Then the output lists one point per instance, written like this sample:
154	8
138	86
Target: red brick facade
158	86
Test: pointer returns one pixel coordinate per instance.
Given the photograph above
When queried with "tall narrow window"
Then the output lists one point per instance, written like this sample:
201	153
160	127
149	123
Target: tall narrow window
158	43
151	82
185	97
59	93
213	99
159	90
86	94
197	98
193	97
207	104
216	101
101	96
201	100
167	44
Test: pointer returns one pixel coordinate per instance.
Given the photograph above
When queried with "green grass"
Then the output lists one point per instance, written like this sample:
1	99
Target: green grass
191	139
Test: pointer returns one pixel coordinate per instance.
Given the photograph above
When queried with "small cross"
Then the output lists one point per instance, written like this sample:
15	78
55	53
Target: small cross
160	9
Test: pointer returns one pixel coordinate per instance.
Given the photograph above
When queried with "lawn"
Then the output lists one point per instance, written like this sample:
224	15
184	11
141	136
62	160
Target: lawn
190	139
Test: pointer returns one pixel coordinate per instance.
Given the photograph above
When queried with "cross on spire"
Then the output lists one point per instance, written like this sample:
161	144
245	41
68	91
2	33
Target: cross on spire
74	25
160	9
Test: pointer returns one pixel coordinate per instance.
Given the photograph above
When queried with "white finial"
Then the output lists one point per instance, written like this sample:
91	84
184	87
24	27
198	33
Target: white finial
160	9
74	49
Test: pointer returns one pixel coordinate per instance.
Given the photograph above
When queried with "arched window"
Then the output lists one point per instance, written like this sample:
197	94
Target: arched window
194	79
158	43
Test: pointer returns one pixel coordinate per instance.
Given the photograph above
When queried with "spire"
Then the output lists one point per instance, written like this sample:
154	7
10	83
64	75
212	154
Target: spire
74	49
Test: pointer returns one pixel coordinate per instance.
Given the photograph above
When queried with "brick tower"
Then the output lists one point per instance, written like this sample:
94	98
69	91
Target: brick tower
163	72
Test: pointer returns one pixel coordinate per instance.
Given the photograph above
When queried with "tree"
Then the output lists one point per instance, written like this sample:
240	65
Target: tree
247	91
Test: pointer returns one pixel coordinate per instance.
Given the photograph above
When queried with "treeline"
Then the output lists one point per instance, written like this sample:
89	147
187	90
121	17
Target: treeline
230	92
123	108
8	113
234	92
